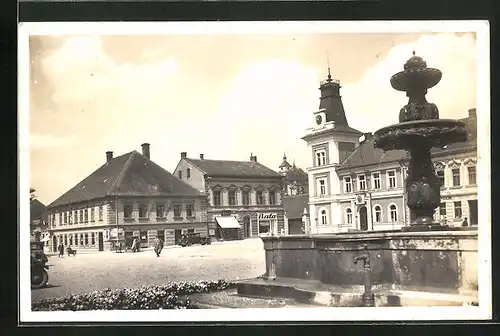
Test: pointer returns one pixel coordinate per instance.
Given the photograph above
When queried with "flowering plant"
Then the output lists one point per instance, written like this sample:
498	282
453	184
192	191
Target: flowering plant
169	296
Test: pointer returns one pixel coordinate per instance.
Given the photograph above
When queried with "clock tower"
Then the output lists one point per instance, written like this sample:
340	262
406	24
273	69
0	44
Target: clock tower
330	140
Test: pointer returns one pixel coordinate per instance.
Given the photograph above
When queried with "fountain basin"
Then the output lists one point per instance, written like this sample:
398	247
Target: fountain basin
435	133
445	260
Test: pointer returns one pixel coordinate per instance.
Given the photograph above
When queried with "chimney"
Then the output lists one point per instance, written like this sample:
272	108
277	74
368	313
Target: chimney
472	113
109	156
183	155
145	150
253	158
201	157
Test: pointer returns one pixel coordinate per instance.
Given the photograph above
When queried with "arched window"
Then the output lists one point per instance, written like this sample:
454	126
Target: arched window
324	217
378	213
348	215
393	211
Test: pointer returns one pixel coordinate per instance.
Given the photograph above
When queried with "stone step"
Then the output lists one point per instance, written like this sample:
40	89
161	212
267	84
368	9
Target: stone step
315	293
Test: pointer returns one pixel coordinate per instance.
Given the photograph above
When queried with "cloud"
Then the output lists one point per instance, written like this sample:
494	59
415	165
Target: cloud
371	102
44	141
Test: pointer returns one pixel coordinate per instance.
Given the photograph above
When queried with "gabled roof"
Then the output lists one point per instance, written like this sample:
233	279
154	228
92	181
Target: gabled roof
296	175
131	174
294	205
233	168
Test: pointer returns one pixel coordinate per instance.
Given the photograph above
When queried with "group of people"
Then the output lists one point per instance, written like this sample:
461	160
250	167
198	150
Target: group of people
61	250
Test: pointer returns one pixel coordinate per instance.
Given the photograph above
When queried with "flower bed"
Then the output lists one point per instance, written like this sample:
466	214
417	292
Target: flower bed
169	296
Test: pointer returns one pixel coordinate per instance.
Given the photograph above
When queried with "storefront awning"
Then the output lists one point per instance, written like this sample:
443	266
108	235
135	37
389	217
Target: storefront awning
228	222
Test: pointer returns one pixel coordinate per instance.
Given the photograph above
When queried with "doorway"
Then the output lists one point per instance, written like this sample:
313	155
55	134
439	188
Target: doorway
100	241
363	219
473	212
177	236
54	243
247	227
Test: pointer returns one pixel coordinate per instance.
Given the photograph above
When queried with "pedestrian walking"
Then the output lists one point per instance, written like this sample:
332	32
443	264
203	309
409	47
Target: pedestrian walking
158	246
465	223
61	250
134	245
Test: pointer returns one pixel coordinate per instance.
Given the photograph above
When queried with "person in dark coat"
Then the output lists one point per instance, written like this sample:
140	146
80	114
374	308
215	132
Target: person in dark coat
465	223
61	250
158	246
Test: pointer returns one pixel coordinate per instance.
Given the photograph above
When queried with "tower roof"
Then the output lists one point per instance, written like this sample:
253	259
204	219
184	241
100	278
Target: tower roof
285	163
331	101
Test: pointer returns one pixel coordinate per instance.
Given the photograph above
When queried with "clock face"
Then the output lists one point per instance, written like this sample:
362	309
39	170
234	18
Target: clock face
318	119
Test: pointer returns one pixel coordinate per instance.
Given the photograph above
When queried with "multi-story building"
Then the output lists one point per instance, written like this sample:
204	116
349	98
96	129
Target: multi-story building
38	220
295	179
128	196
372	195
330	141
244	197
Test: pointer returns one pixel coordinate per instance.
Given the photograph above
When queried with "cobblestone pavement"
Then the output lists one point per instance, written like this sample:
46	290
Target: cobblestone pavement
99	270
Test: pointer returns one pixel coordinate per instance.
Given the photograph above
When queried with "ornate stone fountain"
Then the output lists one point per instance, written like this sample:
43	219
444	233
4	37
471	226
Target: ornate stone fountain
418	131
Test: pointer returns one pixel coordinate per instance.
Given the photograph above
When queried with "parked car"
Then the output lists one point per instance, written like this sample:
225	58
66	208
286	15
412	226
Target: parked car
194	238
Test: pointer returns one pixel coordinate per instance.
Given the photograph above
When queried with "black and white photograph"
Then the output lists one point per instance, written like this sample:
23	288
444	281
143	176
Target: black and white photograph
191	171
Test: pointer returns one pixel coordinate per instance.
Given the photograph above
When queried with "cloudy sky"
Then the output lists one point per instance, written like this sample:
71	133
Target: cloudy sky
222	95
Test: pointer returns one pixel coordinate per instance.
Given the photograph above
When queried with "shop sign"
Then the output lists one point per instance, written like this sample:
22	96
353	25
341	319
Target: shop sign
267	216
116	232
136	233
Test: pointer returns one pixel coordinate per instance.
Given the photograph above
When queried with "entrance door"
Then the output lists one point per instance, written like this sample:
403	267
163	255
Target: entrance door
100	241
177	236
54	243
473	212
363	219
247	227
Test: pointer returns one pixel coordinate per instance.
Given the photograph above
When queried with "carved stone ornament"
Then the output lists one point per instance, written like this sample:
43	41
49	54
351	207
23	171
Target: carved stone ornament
453	164
470	162
439	166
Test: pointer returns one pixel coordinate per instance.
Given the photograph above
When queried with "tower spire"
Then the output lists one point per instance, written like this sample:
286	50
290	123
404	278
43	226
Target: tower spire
328	65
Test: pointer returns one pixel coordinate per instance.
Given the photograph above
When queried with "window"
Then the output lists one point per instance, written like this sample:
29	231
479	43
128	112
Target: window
458	209
180	174
65	218
60	218
101	213
86	215
177	210
143	211
376	180
391	178
348	215
127	211
217	197
232	197
70	240
81	215
393	210
92	214
442	209
246	197
362	182
272	197
322	187
65	240
378	214
70	217
324	217
260	197
347	184
190	230
81	239
456	176
188	173
189	210
75	216
472	175
160	210
92	238
86	239
320	158
440	175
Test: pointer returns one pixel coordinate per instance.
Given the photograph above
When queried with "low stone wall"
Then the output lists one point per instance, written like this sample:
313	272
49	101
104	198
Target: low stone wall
438	259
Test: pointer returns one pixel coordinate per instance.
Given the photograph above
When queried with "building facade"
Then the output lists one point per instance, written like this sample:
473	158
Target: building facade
295	210
128	197
244	198
356	187
295	180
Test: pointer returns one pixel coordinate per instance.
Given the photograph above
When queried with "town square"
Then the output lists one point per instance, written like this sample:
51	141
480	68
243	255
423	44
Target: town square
281	173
